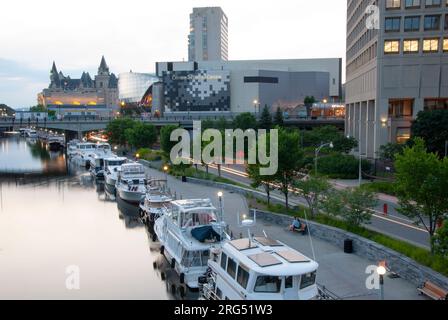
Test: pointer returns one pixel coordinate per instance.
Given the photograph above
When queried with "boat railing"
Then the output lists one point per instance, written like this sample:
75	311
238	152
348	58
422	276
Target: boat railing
325	294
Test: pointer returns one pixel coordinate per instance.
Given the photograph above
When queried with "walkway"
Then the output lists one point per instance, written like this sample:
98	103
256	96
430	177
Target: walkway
341	273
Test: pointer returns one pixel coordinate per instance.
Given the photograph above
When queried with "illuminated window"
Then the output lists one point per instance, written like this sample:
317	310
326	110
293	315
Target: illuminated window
393	4
431	45
411	46
445	45
403	135
392	46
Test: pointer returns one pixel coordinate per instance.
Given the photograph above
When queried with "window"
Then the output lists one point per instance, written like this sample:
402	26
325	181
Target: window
401	108
436	104
412	23
243	277
432	23
432	3
223	261
231	268
446	20
307	280
411	46
445	45
289	283
268	284
260	80
391	46
403	135
412	3
393	4
431	45
392	24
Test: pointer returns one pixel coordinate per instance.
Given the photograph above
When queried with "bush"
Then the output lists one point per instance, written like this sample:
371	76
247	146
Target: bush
149	155
381	187
340	166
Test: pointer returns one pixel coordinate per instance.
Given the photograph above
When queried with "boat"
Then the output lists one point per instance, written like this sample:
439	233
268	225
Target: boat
259	269
111	167
72	147
154	204
31	133
187	232
55	143
23	131
84	151
104	149
96	165
131	182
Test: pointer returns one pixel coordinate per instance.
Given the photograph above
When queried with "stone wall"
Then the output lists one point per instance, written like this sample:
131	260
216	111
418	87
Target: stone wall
405	267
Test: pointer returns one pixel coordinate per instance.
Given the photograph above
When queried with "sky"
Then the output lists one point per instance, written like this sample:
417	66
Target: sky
134	34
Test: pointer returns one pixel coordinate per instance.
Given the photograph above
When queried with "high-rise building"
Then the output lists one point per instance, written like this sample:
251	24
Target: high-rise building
397	66
208	38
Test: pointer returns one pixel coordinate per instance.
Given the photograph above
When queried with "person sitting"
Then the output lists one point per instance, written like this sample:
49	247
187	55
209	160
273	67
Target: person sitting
296	225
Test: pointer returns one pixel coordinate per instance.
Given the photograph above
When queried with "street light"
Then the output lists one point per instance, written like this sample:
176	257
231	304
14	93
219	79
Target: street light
331	145
165	169
381	270
220	195
256	103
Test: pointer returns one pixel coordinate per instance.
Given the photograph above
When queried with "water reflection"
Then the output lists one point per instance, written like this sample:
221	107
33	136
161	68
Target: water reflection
48	223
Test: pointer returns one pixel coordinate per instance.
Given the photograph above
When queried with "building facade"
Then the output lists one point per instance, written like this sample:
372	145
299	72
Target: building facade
208	38
132	86
84	96
246	86
397	66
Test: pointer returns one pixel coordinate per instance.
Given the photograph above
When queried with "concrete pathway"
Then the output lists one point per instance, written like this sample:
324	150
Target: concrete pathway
343	274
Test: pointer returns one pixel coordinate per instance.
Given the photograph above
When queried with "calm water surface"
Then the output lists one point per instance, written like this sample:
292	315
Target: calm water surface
59	217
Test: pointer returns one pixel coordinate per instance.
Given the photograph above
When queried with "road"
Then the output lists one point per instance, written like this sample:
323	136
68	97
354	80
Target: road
394	224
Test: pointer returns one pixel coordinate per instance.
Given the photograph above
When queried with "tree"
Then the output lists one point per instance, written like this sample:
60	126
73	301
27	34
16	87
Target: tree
352	205
265	119
116	130
258	180
389	151
290	160
327	134
312	189
422	186
278	118
38	108
141	135
165	139
440	241
432	126
245	121
309	101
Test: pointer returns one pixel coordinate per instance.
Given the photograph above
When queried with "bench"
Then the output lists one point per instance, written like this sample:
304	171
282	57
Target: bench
432	291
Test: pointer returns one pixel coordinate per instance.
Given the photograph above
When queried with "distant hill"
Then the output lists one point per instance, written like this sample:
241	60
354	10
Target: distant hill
10	111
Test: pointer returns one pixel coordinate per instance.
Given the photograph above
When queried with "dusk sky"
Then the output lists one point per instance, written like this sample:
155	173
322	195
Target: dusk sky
134	34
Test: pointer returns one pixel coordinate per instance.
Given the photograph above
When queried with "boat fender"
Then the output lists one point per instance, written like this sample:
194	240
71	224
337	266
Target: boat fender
182	292
173	263
162	249
154	264
163	276
173	289
182	278
154	239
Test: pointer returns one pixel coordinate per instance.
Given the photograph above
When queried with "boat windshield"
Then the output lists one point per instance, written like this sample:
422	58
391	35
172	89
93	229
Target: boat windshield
115	163
197	219
195	258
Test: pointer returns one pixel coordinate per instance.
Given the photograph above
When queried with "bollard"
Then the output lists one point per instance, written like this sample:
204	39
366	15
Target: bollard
386	209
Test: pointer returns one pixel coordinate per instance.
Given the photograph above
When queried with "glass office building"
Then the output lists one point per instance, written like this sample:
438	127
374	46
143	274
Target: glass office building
133	86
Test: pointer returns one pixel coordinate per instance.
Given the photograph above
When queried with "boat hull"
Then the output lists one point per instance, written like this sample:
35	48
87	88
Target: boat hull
130	196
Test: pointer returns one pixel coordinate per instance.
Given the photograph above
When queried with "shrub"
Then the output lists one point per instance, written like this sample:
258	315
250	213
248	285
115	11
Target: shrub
149	155
381	187
340	166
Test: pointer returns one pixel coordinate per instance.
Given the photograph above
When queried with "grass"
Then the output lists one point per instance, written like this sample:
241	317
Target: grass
416	253
381	187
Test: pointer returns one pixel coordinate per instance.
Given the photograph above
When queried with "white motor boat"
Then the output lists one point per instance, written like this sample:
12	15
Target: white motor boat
187	232
259	269
154	204
72	147
84	151
111	167
96	166
104	149
131	182
31	133
55	143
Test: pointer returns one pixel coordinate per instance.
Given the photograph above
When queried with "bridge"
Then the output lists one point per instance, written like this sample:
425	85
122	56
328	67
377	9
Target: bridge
78	126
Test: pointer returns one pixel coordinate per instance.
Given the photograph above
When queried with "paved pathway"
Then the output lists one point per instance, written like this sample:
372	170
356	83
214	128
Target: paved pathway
341	273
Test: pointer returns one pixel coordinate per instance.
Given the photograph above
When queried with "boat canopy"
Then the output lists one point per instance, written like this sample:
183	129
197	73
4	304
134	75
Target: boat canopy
205	233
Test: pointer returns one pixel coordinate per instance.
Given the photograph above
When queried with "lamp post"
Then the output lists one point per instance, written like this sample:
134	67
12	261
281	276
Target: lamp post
221	214
256	104
165	169
381	270
317	153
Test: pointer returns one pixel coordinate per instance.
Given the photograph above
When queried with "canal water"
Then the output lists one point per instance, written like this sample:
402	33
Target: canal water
56	223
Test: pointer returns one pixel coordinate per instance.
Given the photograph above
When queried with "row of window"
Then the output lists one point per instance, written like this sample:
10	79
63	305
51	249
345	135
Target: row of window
412	23
413	46
414	4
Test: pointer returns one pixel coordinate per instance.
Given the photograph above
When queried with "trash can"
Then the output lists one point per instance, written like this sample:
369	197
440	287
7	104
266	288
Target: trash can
348	246
184	179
